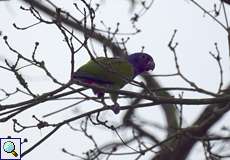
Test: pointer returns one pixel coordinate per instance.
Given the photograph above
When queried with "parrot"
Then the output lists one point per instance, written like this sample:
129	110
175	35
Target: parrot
114	73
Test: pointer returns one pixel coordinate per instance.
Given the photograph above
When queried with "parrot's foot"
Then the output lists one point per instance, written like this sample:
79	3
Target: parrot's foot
115	108
98	93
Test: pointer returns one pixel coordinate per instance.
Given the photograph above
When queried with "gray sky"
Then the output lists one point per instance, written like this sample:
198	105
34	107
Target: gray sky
196	35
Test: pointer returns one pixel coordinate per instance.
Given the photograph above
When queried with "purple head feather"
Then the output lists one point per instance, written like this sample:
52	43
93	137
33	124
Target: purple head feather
141	62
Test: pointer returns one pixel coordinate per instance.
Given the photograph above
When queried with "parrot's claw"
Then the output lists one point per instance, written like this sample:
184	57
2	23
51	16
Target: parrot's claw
115	108
98	93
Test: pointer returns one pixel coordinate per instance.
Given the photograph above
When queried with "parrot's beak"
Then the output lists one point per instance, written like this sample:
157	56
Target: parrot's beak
151	65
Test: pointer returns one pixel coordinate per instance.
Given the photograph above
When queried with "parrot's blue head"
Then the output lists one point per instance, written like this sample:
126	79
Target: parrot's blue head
141	62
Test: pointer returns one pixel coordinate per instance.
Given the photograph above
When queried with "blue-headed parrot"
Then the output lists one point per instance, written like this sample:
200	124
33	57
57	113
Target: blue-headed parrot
114	73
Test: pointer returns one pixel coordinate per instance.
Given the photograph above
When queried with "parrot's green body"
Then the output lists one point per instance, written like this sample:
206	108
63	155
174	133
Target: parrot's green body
113	73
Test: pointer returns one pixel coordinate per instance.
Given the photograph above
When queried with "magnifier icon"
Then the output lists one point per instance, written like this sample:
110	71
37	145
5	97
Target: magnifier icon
9	147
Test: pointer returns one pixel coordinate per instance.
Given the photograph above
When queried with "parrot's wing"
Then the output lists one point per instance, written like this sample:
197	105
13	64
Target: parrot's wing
115	72
81	74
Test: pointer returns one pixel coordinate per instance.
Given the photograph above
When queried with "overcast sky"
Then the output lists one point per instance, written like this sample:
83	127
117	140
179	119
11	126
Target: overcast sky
196	35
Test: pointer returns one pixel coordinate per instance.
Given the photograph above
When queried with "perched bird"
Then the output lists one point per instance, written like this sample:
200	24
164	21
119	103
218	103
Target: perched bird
114	73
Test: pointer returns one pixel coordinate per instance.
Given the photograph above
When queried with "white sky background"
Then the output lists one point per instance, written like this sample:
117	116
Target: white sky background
196	36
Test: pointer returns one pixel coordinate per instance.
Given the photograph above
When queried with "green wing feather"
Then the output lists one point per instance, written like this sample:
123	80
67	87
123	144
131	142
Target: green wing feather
115	70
